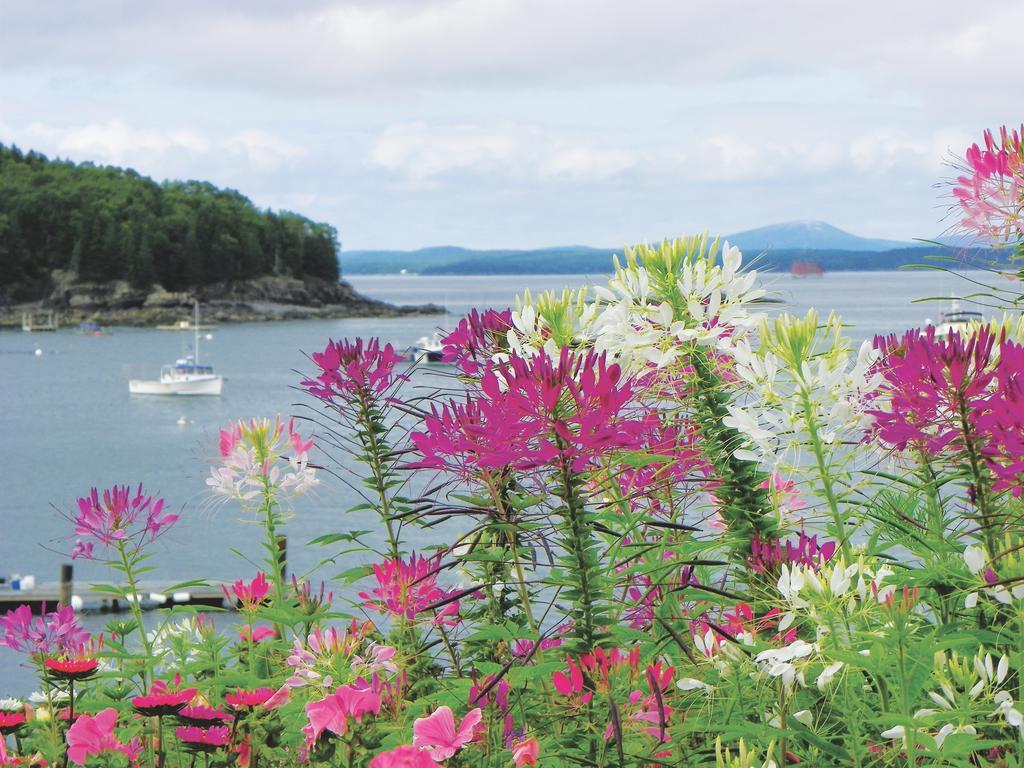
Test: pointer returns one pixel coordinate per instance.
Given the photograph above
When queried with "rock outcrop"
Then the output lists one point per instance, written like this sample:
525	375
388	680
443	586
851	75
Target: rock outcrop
261	299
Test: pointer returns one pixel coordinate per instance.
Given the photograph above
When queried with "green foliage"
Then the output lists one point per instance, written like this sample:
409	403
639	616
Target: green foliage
107	223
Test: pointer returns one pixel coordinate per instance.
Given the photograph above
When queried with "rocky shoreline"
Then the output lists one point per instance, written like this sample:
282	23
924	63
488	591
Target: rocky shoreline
259	300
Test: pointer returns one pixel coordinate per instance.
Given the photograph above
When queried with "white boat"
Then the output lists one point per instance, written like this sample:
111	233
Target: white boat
185	377
428	349
957	319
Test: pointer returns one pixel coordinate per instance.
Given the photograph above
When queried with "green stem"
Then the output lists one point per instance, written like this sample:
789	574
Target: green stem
578	542
979	479
136	609
369	425
825	475
270	527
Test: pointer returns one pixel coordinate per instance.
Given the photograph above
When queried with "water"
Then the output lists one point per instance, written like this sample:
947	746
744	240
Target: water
68	422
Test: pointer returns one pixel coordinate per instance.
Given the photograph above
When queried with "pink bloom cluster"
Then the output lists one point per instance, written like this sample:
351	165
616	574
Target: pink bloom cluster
439	738
352	370
119	516
249	595
932	386
534	411
679	460
56	632
407	589
767	556
991	190
261	452
331	714
93	736
477	339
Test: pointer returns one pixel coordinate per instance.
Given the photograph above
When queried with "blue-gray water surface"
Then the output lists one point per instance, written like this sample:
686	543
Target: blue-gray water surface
68	422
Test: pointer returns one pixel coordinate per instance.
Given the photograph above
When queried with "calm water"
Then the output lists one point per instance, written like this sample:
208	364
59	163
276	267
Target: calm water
68	422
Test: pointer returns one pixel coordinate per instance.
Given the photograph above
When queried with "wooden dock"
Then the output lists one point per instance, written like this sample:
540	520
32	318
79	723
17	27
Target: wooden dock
151	595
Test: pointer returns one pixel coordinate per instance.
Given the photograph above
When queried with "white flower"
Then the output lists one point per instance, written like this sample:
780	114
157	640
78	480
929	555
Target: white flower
11	705
691	684
896	732
975	559
827	674
805	717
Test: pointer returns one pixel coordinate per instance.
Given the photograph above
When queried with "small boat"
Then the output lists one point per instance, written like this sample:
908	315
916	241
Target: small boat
185	377
185	325
957	319
427	349
806	269
89	328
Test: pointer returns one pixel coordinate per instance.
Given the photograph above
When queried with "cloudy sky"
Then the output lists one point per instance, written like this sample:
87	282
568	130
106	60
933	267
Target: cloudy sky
520	123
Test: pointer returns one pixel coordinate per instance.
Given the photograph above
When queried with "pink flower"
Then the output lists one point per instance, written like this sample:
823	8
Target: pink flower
119	517
57	632
438	736
203	739
406	589
353	370
476	339
525	753
93	735
332	712
768	556
249	595
991	191
242	699
162	700
259	634
404	757
259	452
535	411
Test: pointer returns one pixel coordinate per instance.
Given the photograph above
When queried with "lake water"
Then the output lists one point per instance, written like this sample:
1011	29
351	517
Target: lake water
68	422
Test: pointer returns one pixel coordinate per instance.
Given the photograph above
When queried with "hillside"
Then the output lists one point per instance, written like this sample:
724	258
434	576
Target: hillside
109	245
809	235
783	242
104	223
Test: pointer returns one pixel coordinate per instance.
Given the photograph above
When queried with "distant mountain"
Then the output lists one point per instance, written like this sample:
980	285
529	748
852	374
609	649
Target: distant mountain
808	235
773	247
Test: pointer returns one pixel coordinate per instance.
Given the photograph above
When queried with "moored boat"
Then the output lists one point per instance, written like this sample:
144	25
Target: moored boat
957	319
428	349
185	377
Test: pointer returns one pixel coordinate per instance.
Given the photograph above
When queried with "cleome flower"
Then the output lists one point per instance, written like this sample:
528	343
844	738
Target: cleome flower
118	516
405	589
54	633
260	455
353	370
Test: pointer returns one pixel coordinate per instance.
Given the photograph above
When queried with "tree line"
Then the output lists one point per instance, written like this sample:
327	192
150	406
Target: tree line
108	223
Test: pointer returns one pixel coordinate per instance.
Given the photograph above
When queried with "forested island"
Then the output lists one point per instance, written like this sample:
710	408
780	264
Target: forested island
108	243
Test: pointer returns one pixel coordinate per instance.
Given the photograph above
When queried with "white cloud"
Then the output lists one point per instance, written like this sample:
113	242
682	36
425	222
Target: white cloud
585	163
424	153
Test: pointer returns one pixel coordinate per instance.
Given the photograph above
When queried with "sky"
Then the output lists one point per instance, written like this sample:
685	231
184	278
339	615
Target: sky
526	123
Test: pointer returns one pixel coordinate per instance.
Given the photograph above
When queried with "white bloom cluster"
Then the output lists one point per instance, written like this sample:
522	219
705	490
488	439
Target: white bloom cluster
786	398
860	582
977	563
644	321
241	476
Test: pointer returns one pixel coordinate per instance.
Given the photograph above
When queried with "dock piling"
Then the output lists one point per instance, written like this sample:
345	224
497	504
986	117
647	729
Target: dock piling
67	582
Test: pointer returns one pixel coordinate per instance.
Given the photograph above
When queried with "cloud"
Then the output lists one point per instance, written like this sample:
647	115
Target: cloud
423	154
116	142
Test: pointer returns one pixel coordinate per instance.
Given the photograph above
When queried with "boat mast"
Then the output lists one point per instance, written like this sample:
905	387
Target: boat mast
195	323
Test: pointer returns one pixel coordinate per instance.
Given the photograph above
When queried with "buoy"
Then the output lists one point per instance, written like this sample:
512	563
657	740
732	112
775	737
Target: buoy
182	421
39	352
77	604
209	337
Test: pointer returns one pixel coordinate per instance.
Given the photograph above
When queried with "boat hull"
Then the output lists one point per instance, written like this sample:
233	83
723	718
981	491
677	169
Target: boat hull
206	385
